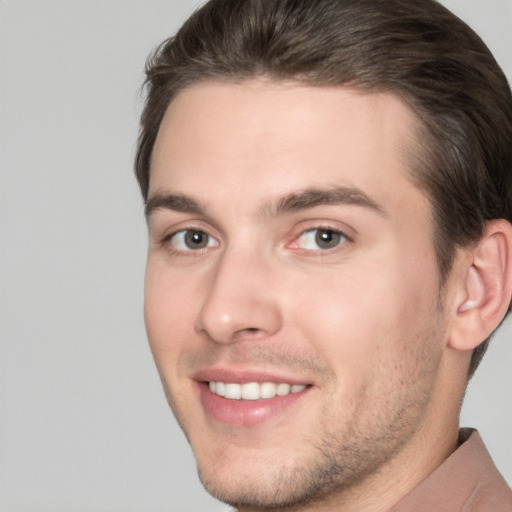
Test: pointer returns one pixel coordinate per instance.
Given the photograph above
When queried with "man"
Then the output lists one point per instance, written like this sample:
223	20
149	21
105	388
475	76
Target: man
328	190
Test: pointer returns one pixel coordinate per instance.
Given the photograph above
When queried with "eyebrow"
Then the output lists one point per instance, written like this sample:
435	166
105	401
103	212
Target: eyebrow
175	202
293	202
310	198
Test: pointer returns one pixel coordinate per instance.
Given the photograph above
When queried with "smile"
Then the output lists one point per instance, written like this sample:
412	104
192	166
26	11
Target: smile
247	399
253	390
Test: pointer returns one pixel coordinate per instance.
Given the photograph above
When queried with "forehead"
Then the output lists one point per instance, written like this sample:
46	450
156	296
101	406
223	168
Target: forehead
263	137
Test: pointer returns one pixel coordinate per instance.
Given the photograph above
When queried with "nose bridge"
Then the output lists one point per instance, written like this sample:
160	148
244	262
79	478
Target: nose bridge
239	297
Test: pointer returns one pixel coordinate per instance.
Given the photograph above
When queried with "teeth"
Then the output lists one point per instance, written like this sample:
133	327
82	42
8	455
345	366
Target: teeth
283	389
220	388
268	390
233	391
253	390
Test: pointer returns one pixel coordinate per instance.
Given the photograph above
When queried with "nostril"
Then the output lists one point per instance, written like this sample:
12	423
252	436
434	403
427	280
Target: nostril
249	333
225	317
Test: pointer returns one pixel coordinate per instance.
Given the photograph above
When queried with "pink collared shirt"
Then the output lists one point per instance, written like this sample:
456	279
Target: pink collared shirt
467	481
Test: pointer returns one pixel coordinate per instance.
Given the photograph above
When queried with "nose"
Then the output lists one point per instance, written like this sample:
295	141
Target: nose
240	301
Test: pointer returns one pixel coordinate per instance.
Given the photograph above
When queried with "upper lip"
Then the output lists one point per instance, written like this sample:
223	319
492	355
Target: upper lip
219	374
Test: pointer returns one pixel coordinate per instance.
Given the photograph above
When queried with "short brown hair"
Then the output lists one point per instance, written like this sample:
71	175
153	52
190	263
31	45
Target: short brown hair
416	49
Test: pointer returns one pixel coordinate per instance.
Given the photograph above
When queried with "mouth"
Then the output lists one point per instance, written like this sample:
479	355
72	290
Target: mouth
253	390
248	400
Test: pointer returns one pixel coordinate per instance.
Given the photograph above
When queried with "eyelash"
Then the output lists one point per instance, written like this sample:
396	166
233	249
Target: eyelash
167	242
343	239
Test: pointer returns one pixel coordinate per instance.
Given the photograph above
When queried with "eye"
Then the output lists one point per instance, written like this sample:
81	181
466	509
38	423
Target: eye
191	240
323	239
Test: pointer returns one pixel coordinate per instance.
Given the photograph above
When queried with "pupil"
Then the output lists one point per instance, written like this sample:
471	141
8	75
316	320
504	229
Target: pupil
196	239
327	239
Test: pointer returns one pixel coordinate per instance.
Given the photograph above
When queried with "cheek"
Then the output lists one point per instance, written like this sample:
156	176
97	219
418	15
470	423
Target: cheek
362	318
382	346
169	312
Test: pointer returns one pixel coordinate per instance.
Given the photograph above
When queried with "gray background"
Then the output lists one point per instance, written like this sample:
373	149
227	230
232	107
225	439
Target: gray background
83	422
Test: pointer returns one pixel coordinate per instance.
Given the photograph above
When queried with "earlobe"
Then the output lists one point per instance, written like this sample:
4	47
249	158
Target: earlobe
486	287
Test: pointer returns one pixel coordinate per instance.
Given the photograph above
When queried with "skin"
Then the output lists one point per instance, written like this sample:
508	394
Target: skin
363	323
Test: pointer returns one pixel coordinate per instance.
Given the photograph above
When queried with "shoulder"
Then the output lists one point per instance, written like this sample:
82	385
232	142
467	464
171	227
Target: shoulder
491	492
491	499
468	481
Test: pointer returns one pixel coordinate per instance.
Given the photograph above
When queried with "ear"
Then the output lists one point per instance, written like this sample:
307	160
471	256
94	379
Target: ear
485	287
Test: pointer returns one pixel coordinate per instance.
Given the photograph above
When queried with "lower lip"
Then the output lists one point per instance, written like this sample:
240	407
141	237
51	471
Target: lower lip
245	413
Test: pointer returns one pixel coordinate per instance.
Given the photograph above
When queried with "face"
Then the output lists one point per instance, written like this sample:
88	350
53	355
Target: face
292	294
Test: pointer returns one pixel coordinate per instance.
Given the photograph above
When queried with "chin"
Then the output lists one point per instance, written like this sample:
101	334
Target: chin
268	482
261	487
